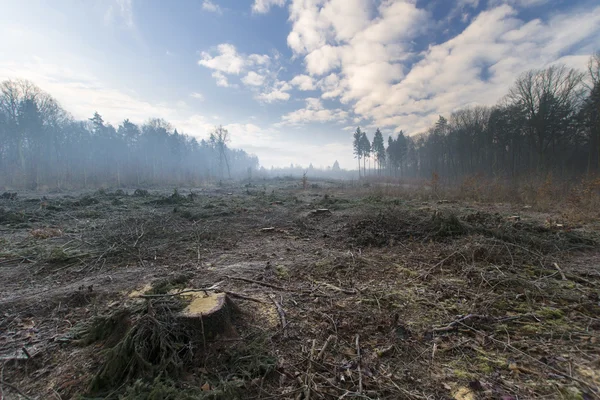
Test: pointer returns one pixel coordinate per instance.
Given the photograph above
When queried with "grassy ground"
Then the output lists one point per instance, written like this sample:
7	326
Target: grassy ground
390	295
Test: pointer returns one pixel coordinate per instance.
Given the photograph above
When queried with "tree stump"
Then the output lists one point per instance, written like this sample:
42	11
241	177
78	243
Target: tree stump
209	314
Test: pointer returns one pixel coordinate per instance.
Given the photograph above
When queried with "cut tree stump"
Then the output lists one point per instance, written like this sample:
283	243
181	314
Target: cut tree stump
209	314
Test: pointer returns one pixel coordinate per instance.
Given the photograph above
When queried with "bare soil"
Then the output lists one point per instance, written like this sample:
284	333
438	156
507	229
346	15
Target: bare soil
382	297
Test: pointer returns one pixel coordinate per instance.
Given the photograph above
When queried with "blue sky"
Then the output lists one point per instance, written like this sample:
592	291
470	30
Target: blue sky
290	79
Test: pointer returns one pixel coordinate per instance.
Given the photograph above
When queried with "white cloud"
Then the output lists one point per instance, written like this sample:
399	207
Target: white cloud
263	6
208	5
330	86
228	60
120	10
470	3
303	82
258	59
314	111
361	49
519	3
277	91
197	96
253	79
261	72
370	64
221	79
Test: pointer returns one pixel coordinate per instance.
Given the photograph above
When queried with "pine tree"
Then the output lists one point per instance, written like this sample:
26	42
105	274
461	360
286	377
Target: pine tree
358	147
379	148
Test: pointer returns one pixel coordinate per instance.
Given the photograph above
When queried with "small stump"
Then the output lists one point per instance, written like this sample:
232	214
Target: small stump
209	314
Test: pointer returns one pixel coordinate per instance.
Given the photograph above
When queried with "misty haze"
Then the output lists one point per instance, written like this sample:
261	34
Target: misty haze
299	199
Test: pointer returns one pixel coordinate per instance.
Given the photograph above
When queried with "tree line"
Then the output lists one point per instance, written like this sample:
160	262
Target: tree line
42	145
549	122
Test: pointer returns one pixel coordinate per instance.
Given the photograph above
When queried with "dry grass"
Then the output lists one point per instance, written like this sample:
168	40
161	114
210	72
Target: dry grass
577	200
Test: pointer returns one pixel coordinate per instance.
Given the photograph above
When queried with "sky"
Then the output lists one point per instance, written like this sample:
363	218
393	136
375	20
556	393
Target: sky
290	79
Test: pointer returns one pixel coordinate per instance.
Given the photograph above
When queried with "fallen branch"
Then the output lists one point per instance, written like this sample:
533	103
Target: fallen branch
309	370
406	392
560	271
20	259
360	385
281	313
452	325
330	339
460	321
593	389
579	279
239	278
242	296
321	211
336	288
386	350
428	271
16	389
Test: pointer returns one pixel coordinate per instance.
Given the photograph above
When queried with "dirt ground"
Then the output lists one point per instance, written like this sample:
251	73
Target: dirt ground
380	297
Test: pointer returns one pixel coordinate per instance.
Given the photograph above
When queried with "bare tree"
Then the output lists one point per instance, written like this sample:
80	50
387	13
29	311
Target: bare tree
591	113
549	98
220	138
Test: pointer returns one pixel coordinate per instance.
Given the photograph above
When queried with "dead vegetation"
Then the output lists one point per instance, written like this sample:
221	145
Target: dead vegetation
401	224
378	297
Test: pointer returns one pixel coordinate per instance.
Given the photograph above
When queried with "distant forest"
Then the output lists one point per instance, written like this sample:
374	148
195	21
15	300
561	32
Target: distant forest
41	145
548	123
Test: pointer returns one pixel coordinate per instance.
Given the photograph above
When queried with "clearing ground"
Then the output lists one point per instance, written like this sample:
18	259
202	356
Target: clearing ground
376	297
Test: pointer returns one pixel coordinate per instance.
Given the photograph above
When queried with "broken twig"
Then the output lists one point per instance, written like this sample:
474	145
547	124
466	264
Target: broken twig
281	313
336	288
330	339
242	296
309	370
454	324
360	385
16	389
239	278
560	271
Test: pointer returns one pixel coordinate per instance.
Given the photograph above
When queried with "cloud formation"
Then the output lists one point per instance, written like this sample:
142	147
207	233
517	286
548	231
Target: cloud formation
208	5
314	111
263	6
277	92
229	62
253	79
261	72
303	82
365	57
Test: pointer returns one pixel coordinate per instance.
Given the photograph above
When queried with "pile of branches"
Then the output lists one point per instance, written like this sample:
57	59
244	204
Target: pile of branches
397	225
141	342
136	237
